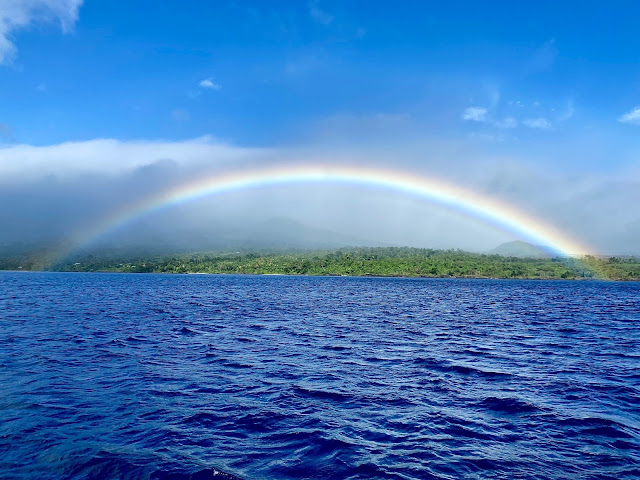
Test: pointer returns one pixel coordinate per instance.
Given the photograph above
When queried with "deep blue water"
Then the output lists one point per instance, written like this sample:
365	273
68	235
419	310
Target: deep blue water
187	376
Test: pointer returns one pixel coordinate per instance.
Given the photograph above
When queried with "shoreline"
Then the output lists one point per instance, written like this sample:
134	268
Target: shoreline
408	277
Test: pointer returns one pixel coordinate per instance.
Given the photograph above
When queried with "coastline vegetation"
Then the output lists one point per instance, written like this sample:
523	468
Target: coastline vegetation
375	261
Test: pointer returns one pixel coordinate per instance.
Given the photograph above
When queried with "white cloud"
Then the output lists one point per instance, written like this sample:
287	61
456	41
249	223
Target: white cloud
19	14
475	114
541	123
210	84
632	117
481	114
110	156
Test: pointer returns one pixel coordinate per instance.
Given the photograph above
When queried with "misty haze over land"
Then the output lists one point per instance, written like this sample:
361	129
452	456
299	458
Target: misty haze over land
50	193
77	144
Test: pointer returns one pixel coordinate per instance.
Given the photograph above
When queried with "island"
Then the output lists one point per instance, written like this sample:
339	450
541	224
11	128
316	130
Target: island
365	261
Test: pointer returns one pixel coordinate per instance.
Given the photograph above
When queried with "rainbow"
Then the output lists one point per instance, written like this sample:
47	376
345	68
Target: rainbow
472	204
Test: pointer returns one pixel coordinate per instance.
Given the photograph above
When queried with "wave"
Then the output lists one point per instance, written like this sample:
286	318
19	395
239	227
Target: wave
599	426
507	405
109	465
463	369
322	394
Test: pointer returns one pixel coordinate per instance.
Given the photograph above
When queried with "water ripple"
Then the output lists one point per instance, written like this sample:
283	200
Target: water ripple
160	377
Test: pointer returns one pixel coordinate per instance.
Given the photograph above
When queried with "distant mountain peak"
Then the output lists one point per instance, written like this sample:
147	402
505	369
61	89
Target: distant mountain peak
518	248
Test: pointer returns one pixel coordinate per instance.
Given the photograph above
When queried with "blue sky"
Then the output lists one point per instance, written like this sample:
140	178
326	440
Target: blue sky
535	102
132	70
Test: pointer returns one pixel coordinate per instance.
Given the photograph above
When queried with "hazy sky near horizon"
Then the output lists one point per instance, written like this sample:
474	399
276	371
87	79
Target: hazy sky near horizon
536	103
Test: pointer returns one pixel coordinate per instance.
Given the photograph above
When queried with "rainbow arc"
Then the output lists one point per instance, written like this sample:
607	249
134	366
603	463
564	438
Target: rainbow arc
505	217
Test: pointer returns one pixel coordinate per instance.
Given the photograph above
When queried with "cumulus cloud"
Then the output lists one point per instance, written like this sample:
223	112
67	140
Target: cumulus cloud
110	156
209	84
632	117
481	115
485	116
475	114
540	123
19	14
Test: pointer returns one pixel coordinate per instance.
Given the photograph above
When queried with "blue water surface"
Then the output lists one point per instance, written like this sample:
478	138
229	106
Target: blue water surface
269	377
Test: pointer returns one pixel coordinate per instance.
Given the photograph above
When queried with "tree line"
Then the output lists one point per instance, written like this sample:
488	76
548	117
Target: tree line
376	261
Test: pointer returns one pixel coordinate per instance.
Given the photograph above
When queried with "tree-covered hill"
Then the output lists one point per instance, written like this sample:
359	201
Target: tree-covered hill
388	261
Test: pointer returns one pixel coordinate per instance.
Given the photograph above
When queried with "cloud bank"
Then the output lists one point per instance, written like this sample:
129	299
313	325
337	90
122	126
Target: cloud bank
50	192
112	157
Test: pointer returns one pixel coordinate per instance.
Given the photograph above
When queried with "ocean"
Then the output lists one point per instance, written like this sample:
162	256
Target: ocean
124	376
